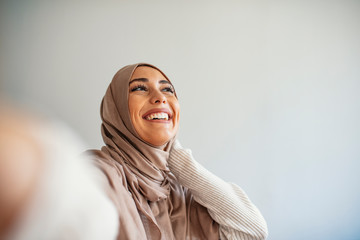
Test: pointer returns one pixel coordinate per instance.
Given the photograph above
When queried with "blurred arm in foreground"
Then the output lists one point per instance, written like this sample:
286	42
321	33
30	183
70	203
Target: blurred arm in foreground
47	190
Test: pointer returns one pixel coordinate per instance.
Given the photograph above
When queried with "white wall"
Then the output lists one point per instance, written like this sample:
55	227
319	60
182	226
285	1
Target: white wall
269	90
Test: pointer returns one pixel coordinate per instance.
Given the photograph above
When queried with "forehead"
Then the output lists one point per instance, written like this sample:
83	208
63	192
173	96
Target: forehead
147	72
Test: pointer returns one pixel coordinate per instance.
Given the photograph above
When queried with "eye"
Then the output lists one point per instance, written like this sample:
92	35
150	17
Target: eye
139	87
168	89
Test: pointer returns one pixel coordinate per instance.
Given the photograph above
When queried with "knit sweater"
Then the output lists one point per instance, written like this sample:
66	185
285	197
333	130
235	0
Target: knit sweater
227	203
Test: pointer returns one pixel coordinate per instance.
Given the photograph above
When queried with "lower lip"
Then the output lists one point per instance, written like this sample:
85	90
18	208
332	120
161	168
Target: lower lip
158	121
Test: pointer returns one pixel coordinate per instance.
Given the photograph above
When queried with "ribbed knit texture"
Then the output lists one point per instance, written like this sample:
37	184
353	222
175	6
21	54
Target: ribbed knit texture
227	203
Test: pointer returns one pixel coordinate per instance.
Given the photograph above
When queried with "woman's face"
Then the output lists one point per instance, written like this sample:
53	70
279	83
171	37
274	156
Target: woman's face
154	109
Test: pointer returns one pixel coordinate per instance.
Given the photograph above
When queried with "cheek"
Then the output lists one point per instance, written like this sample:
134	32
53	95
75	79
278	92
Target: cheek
176	109
134	104
134	109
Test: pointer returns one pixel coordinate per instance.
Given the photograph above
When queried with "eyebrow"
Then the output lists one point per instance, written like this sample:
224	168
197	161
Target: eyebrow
139	80
147	80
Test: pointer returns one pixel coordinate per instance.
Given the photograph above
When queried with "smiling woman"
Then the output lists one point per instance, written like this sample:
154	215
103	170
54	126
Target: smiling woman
153	106
159	190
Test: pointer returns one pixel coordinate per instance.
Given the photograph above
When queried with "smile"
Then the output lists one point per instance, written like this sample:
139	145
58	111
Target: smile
157	115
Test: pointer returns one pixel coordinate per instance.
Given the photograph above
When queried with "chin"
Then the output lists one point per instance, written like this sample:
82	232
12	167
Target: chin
159	141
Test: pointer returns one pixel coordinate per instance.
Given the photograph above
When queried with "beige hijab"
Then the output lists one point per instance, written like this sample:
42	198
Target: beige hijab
150	202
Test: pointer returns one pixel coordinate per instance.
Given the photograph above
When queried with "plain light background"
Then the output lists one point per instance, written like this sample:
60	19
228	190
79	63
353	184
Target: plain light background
269	90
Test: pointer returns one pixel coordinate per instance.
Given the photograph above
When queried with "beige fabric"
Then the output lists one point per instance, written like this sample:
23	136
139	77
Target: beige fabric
150	202
227	203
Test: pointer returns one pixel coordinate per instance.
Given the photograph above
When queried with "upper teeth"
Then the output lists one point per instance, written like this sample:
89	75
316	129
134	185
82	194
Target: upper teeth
162	116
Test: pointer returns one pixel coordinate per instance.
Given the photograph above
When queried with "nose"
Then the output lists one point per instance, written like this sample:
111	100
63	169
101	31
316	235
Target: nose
158	97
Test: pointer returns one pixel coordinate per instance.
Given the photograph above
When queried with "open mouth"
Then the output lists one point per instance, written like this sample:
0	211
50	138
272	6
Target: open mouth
157	115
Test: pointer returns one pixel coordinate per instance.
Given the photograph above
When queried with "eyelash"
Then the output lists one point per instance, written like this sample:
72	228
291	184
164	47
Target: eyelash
144	88
168	89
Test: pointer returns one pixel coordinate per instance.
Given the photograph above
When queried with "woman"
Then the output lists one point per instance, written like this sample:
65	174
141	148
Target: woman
159	190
